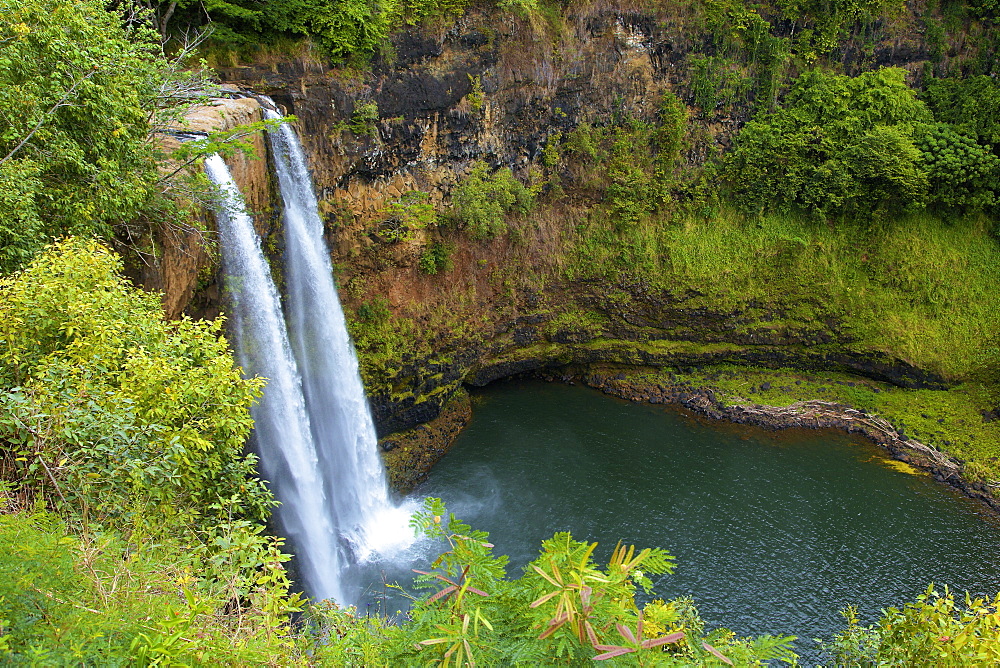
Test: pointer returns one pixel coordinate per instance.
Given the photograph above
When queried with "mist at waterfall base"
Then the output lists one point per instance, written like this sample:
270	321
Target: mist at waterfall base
312	428
774	532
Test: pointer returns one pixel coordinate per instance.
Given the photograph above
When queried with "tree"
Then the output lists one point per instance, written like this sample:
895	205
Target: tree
76	89
838	143
108	409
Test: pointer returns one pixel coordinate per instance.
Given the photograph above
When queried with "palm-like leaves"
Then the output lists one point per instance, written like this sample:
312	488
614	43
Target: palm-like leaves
458	588
635	641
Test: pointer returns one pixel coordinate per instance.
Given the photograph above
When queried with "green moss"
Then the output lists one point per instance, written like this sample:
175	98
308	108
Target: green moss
576	320
919	288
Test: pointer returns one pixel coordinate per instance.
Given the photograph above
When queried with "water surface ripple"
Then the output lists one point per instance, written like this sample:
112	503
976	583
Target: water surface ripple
774	532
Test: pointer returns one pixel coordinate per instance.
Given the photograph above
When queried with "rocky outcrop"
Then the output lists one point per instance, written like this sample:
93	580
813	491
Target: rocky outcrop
177	261
410	454
485	89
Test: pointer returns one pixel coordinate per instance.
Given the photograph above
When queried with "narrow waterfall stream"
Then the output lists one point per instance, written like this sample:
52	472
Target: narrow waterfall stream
315	436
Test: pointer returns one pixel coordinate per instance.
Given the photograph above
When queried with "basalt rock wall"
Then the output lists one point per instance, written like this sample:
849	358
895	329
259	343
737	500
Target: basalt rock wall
497	89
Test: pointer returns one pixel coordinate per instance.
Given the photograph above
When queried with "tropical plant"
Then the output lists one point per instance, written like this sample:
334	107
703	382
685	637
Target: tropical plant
565	609
933	630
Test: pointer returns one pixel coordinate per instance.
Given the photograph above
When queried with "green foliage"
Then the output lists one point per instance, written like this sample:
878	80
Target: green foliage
382	339
668	142
828	18
476	96
934	630
232	141
375	312
564	609
918	287
551	152
749	60
345	29
363	118
716	84
962	172
403	218
971	106
436	258
117	413
482	200
102	598
838	144
629	192
582	141
76	90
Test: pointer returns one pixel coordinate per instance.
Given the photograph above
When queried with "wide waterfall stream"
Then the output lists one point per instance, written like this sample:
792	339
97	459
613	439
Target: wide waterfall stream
313	429
774	532
281	424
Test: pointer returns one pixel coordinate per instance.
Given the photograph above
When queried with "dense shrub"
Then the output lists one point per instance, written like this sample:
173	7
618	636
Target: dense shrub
971	106
111	410
933	630
482	200
962	172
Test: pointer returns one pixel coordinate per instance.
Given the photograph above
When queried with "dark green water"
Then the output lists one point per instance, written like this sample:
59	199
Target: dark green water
774	532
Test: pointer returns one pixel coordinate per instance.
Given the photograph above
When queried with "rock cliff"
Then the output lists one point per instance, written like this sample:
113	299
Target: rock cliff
501	90
178	262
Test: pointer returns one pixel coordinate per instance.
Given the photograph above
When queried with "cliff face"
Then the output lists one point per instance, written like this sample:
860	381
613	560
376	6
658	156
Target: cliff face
477	92
505	90
500	92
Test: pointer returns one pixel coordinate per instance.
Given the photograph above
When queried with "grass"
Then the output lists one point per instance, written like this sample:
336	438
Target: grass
920	288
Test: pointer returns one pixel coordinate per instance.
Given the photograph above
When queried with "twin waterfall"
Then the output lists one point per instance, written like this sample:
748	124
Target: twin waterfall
313	428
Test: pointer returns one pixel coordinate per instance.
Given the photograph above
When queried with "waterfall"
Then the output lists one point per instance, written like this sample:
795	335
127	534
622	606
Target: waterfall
338	410
281	424
314	431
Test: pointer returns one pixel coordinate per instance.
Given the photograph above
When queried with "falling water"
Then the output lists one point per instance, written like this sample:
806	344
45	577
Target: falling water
314	430
282	426
338	410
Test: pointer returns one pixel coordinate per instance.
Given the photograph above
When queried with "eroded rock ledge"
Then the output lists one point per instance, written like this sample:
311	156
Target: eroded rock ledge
813	414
